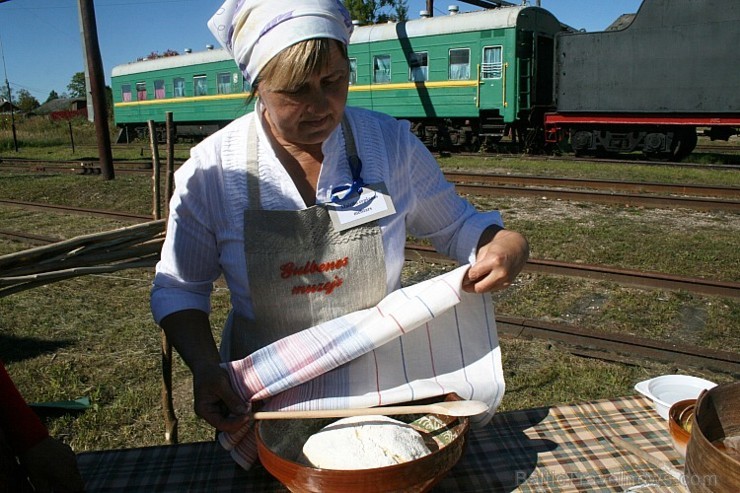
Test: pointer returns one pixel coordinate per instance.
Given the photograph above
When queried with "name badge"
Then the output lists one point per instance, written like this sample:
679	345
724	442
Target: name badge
372	203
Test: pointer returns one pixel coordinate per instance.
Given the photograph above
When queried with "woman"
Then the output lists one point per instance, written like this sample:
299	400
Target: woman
303	205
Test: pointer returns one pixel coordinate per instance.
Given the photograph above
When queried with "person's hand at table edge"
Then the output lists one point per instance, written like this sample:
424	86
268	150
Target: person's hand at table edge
52	467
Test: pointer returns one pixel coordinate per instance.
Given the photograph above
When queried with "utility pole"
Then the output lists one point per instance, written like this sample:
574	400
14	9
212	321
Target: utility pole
97	86
10	99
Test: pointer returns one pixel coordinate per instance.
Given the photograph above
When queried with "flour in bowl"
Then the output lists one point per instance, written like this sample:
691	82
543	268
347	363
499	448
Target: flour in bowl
363	442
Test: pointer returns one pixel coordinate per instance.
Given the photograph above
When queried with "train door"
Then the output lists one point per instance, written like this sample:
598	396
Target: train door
493	98
535	72
535	57
525	57
544	72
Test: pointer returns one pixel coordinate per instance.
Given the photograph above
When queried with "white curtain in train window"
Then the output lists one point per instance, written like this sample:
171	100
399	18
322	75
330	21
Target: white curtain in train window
381	68
492	63
178	87
419	67
352	71
224	83
200	85
460	64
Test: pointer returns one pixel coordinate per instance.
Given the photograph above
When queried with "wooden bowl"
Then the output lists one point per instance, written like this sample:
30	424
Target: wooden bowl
280	442
680	422
710	467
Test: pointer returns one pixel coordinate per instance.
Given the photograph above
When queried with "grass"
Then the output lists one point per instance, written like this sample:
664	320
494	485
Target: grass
597	170
126	193
94	336
41	134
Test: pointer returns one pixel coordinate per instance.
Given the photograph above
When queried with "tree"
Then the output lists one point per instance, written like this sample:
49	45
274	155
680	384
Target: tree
76	86
26	101
377	11
52	96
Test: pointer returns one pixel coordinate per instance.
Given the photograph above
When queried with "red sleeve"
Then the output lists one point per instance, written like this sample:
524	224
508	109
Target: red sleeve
22	428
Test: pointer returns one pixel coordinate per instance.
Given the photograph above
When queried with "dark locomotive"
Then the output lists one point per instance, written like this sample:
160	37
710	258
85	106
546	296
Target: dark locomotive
649	86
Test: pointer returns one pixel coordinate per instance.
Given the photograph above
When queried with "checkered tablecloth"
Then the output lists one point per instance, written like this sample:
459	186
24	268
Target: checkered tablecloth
556	449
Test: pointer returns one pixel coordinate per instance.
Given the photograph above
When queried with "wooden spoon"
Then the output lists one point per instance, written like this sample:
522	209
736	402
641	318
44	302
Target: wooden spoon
447	408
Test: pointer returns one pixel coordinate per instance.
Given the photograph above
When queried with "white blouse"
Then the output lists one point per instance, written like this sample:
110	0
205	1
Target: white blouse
205	226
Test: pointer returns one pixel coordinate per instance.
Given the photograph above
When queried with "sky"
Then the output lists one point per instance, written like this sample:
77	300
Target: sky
42	42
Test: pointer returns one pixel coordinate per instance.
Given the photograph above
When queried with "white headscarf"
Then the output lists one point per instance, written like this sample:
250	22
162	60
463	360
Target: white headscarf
254	31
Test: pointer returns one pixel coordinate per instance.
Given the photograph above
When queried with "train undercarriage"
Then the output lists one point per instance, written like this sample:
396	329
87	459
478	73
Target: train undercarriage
656	142
658	137
533	134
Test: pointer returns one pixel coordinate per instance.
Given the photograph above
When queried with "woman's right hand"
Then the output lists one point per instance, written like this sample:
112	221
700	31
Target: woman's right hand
189	331
215	400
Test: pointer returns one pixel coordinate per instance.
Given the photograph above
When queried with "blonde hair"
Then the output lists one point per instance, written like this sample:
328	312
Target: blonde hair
294	66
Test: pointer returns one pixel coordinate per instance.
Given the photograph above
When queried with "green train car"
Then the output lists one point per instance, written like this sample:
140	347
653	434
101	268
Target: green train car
462	80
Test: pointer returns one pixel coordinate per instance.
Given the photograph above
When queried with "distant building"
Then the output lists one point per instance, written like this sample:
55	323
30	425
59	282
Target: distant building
7	107
62	109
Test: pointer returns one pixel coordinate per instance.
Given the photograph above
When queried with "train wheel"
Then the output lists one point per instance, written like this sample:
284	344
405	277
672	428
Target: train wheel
654	146
473	145
684	142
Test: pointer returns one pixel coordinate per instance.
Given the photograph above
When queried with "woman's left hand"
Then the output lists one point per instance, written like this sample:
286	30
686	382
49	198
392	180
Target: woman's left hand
52	466
499	260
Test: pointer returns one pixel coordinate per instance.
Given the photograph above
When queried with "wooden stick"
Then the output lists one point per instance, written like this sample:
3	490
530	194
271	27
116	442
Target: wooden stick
448	408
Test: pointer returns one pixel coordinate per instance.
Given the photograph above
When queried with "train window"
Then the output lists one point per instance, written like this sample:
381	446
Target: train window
492	63
200	85
381	69
419	67
224	83
245	85
352	71
141	91
158	89
125	92
178	87
460	64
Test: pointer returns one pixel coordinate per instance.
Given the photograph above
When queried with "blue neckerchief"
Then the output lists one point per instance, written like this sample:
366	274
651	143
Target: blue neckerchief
343	192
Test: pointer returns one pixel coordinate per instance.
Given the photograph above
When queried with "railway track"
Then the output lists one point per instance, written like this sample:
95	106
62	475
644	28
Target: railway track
698	197
635	200
620	348
13	163
631	160
717	148
81	167
35	206
426	253
613	185
620	276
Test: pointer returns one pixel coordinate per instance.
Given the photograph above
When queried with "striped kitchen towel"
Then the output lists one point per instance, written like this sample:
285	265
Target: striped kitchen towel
421	341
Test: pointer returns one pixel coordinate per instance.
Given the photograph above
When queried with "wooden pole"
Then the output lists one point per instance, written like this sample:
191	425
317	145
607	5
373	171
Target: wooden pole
169	183
12	113
71	136
97	86
156	201
168	407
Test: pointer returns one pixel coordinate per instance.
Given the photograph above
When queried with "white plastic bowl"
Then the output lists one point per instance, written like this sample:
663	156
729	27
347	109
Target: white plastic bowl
666	390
